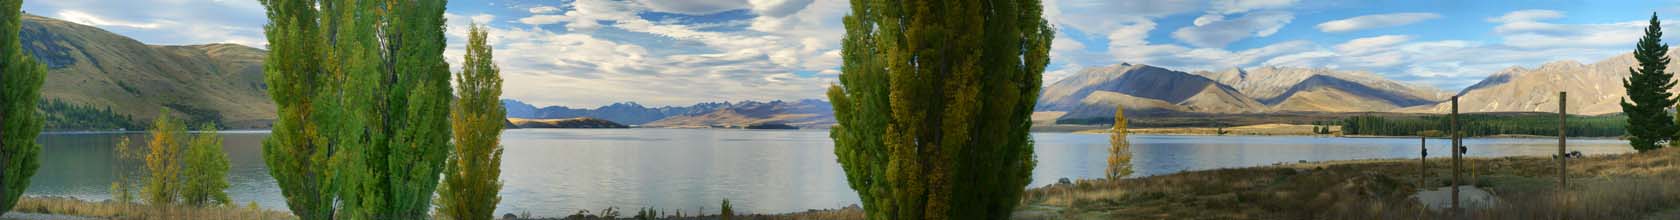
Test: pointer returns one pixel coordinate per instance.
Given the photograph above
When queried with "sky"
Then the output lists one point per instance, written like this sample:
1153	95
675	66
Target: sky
586	53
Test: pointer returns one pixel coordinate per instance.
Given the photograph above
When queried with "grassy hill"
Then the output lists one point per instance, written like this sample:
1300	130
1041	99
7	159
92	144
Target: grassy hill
98	69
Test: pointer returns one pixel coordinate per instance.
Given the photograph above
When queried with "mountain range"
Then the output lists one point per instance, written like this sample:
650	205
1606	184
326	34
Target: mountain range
1092	93
803	113
223	83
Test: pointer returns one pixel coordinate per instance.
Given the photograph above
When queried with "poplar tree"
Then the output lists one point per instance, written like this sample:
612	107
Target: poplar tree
1120	150
396	100
471	176
1647	89
20	87
297	151
364	101
934	104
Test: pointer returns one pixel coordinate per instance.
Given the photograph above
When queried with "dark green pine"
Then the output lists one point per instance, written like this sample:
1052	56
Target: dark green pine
1647	89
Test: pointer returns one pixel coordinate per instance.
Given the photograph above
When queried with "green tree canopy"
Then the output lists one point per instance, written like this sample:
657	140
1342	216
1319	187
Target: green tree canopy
20	88
934	102
364	97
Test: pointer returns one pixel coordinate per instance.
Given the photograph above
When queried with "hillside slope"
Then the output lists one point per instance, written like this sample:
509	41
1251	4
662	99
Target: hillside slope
92	67
1593	88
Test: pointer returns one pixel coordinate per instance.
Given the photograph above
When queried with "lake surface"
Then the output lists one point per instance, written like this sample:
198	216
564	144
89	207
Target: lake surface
555	172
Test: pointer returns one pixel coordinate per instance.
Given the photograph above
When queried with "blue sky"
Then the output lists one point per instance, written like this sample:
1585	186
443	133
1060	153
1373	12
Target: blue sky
677	52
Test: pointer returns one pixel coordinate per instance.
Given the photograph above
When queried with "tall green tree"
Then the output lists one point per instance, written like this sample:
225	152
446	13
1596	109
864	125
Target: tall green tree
298	149
364	101
205	180
934	102
471	177
1647	89
397	98
1120	149
20	87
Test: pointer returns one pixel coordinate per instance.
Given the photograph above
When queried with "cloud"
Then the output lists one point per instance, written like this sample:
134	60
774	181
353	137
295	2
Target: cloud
1527	29
778	8
1240	6
789	51
1216	34
165	22
543	9
88	19
1375	21
1370	44
1526	15
694	7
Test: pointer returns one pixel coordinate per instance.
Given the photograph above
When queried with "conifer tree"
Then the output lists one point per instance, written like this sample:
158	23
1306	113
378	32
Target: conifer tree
1120	150
20	88
934	102
471	177
1648	97
205	177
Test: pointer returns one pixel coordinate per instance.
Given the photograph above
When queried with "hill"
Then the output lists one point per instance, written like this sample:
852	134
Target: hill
97	69
580	122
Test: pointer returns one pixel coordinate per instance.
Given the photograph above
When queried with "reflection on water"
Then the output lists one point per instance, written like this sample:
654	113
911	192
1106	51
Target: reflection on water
558	171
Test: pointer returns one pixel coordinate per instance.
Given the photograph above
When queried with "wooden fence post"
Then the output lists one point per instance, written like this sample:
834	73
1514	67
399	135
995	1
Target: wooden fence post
1456	143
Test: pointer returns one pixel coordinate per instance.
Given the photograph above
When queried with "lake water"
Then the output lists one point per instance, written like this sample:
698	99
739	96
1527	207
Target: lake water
555	172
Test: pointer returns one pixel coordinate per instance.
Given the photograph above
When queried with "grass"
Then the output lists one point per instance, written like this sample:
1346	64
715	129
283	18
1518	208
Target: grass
116	210
1632	186
847	213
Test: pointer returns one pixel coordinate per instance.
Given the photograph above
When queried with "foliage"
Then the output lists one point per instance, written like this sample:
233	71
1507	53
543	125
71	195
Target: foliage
471	177
1120	150
206	170
364	101
1486	124
298	148
20	88
934	105
122	188
728	211
62	115
1648	97
197	115
397	100
163	160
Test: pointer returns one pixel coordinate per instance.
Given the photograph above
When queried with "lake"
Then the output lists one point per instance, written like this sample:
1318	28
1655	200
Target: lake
555	172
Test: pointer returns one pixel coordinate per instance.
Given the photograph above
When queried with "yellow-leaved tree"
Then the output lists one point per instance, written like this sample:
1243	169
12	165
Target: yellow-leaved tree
1120	150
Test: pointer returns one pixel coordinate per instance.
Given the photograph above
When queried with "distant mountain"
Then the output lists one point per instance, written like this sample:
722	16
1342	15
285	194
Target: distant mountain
808	113
1324	89
1093	92
624	112
804	112
580	122
88	66
1593	88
